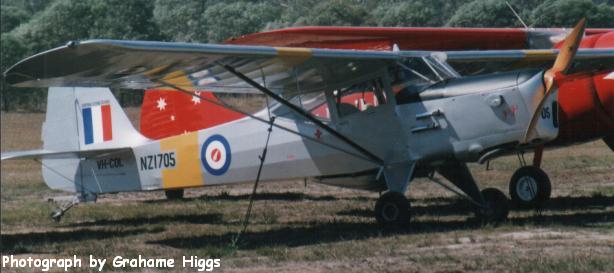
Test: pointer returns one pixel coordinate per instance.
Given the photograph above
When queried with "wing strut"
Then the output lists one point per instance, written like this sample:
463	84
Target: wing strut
303	113
218	103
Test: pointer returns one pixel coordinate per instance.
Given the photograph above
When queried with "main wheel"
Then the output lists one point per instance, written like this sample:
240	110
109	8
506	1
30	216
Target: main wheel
530	187
392	209
497	206
174	194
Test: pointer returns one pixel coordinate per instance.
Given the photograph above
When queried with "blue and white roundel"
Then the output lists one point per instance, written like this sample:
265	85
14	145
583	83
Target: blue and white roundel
215	155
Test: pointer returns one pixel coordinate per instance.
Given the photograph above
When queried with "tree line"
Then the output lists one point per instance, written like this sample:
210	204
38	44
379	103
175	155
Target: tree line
31	26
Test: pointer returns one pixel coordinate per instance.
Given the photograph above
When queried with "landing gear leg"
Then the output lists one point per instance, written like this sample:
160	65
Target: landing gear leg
392	208
176	194
491	204
530	186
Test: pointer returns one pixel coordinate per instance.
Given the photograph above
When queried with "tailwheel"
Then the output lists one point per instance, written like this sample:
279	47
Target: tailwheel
392	209
496	206
530	187
174	194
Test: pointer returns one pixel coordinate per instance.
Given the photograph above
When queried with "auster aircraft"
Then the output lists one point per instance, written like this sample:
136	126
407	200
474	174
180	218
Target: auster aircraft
586	100
424	118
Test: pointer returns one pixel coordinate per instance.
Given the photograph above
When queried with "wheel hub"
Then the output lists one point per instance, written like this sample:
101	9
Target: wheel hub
526	188
390	212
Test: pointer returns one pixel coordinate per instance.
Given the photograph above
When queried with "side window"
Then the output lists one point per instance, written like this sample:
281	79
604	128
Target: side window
359	97
314	103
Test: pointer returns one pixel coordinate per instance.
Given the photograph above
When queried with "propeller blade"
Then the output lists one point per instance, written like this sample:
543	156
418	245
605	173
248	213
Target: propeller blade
569	48
562	63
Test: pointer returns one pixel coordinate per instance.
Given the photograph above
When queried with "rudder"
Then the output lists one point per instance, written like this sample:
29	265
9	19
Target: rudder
80	119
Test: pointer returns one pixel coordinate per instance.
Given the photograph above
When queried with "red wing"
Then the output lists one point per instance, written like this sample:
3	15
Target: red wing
383	38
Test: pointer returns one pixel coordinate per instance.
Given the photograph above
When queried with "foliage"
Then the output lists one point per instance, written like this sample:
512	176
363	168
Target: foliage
120	19
31	26
181	20
11	17
415	13
63	21
484	13
336	13
549	13
225	20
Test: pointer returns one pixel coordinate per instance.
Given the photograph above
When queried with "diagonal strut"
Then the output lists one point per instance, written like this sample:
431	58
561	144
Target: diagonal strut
303	113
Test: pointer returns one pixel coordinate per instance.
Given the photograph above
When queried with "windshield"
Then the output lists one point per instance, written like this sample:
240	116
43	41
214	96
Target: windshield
424	70
408	77
412	75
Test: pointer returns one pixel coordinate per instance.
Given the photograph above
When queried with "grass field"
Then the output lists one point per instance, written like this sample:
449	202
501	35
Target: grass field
298	227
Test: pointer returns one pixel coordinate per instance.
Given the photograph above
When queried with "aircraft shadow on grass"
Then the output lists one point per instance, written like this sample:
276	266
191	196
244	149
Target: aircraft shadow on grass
211	218
28	242
291	235
343	231
273	196
316	233
456	206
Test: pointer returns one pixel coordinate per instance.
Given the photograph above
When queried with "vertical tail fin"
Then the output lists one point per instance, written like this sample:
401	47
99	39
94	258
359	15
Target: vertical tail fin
85	119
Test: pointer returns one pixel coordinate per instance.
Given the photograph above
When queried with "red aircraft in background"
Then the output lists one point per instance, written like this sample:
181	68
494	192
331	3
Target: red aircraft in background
586	101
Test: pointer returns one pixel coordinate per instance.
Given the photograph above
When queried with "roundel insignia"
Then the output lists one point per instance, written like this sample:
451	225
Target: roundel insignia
215	155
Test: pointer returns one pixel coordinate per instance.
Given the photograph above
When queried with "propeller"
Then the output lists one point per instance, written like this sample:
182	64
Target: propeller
561	65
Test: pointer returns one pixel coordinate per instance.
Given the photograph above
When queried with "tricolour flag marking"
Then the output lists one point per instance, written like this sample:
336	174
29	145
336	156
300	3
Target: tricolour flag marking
97	124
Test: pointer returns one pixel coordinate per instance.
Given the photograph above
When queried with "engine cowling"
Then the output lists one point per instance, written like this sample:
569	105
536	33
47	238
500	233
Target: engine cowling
587	100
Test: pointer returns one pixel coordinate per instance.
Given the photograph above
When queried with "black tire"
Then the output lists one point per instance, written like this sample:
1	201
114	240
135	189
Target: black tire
497	206
530	187
392	209
174	194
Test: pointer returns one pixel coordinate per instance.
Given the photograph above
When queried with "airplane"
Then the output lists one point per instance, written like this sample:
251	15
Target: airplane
427	118
586	100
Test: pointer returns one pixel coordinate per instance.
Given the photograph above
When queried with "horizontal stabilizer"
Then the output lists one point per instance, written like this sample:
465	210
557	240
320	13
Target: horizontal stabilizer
46	154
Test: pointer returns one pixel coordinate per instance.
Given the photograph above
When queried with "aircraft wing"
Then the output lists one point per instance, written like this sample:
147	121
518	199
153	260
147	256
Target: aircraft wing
470	62
285	71
148	65
409	38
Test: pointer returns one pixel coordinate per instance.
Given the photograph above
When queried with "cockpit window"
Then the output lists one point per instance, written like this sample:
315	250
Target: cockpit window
314	103
408	78
359	97
412	75
353	99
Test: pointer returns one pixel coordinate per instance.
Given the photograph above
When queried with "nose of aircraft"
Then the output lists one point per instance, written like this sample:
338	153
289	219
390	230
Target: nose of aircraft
543	113
587	101
541	107
587	109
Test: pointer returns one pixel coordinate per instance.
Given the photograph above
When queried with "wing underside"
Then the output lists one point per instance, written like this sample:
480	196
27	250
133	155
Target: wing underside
147	65
286	71
473	62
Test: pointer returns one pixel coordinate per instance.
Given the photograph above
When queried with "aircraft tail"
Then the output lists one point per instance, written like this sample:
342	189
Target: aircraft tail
84	123
167	113
86	119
